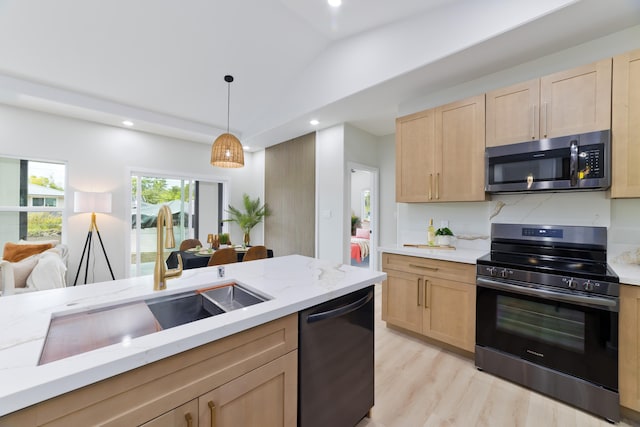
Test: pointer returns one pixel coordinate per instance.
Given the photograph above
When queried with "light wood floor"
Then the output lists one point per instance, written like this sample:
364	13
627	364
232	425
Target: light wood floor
418	384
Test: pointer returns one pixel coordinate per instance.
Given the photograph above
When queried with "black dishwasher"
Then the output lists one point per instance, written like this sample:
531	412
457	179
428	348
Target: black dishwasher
335	361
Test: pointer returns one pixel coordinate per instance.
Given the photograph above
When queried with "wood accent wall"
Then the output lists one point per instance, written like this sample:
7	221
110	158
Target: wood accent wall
290	184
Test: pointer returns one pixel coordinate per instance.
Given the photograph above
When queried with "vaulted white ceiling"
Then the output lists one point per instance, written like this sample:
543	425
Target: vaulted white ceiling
160	63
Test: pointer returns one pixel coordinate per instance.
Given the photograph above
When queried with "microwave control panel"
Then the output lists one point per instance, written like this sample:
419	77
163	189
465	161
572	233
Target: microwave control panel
590	161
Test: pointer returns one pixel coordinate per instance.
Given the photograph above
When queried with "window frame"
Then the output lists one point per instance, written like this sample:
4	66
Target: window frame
35	209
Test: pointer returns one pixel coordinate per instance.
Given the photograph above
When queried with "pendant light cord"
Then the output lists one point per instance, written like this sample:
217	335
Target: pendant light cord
228	103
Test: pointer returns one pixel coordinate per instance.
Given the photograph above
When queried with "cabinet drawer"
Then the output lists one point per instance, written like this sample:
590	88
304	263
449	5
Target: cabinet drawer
431	267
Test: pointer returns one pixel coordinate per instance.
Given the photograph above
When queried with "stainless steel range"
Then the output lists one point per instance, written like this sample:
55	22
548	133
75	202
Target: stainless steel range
547	313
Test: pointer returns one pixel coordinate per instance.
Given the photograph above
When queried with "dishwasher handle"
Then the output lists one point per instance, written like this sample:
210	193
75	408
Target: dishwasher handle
340	311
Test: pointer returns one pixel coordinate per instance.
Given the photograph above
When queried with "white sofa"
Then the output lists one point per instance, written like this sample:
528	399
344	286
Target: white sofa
46	270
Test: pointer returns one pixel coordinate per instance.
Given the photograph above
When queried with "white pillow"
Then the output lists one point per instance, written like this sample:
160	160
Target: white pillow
49	272
22	269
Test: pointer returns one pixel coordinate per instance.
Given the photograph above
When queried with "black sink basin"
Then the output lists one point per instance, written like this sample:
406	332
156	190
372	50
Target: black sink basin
176	310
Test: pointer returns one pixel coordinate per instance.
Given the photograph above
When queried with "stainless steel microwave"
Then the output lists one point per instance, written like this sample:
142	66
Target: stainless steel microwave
577	162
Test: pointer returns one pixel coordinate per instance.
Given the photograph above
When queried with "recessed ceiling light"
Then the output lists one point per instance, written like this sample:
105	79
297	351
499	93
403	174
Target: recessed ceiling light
127	123
334	3
246	148
314	122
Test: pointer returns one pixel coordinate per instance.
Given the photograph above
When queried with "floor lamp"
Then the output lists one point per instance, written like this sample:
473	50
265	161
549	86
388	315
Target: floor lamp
91	202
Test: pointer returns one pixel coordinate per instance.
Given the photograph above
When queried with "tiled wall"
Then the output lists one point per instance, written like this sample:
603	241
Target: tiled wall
472	220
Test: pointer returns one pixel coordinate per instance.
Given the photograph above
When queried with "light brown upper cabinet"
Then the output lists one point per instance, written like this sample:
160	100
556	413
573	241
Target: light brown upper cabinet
440	153
625	128
565	103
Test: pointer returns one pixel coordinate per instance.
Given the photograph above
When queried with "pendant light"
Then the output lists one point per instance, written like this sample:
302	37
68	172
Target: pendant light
226	151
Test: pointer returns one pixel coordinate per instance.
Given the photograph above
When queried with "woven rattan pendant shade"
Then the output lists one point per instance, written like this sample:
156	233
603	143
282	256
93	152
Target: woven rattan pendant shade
226	152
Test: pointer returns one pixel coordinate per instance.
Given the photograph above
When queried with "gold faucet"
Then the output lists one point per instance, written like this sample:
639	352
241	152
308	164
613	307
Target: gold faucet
160	272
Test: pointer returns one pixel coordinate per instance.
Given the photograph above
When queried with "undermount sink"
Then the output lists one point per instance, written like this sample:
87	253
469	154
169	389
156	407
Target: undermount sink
175	310
233	297
94	328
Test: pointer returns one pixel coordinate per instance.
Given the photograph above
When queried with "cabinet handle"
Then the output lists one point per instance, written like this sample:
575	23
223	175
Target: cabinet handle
438	186
189	419
212	408
546	117
430	184
533	121
427	291
418	289
424	266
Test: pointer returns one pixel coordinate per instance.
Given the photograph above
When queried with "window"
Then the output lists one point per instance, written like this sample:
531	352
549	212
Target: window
196	207
31	200
44	201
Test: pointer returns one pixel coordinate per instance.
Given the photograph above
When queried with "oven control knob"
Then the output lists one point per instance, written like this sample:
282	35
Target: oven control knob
572	284
492	271
504	273
588	286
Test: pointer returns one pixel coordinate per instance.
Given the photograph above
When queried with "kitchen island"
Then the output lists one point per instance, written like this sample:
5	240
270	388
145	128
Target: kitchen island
293	283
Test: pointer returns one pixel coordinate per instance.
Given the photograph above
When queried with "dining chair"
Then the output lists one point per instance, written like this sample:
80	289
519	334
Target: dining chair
189	243
223	256
255	252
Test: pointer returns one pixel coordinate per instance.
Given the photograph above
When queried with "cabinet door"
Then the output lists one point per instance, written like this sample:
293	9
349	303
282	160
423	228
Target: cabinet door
625	129
576	101
183	416
415	139
513	113
264	397
629	351
449	313
402	300
460	131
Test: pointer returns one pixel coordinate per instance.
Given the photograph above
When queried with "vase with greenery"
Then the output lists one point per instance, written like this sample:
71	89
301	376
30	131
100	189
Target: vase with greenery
443	236
252	215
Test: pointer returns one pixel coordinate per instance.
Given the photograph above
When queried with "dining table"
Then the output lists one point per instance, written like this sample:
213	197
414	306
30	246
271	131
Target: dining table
200	258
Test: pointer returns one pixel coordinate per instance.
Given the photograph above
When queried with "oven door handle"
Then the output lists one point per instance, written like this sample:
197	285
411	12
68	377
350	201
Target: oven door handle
608	303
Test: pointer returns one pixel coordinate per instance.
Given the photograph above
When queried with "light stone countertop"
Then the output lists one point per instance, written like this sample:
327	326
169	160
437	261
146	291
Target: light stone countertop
467	256
628	273
294	282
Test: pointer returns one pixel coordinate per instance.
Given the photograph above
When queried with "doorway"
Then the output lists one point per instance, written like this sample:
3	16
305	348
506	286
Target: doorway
196	206
363	208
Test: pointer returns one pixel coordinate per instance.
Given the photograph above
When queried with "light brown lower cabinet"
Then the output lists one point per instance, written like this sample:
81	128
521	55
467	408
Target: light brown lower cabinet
269	392
434	298
250	378
183	416
629	347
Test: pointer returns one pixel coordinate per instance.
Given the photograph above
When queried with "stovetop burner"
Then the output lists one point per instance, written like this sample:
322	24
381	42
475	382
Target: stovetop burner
569	257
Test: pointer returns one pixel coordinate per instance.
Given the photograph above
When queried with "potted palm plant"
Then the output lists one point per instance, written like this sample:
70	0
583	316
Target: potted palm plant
252	215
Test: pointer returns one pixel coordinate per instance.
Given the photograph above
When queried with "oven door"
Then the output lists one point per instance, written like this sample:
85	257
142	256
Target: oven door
573	334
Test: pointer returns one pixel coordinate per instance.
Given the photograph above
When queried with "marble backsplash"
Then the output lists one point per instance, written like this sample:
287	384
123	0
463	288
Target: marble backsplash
471	221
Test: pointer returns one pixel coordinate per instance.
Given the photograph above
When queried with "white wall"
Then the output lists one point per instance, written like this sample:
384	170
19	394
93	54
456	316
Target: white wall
330	194
99	158
388	224
586	53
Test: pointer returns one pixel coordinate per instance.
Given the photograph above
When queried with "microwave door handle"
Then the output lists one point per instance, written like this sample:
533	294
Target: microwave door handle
573	162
